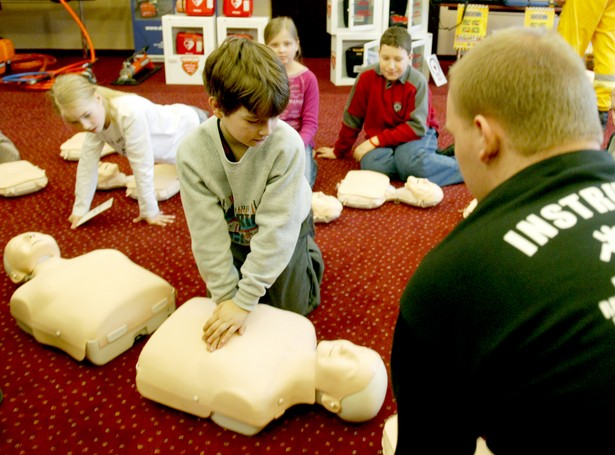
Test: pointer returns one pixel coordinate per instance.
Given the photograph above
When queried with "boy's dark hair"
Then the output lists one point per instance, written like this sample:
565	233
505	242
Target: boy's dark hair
244	73
397	37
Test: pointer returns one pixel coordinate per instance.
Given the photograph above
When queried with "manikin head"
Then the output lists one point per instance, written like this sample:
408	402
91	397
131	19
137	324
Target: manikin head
351	380
23	252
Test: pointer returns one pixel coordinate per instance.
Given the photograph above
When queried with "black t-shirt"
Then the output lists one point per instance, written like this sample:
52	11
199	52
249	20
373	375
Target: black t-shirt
507	328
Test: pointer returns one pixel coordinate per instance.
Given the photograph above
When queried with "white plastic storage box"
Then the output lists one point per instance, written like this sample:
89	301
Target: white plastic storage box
421	50
182	68
339	71
418	16
351	16
249	27
340	46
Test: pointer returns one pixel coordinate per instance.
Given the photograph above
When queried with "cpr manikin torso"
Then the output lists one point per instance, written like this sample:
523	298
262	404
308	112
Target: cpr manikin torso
93	305
256	376
365	189
166	180
21	177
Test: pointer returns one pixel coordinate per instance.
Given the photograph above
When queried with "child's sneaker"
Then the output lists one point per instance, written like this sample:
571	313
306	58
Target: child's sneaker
604	118
448	151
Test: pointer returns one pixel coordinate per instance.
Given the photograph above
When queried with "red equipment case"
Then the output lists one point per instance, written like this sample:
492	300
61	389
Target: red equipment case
238	8
200	7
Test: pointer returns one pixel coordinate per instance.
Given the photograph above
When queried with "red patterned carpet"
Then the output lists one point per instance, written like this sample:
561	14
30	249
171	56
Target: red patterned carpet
54	404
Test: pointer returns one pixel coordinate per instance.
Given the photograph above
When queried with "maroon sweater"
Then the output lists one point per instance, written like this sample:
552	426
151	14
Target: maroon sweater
396	112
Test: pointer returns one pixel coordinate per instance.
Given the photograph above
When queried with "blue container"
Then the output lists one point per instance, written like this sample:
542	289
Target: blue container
147	25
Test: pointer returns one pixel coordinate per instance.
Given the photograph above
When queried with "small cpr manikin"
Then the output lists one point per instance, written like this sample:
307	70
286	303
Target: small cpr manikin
21	177
166	180
366	189
275	364
93	305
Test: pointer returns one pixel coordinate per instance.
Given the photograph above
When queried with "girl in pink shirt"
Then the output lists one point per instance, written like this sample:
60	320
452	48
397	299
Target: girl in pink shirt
302	112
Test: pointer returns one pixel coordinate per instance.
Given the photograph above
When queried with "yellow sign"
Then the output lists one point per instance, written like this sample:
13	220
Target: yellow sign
539	17
471	25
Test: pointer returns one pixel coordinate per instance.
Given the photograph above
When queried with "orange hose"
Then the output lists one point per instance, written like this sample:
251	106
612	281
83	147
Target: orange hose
31	62
83	30
45	80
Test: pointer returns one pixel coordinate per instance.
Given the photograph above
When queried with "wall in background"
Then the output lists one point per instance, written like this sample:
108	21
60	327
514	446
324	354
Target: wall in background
310	17
47	25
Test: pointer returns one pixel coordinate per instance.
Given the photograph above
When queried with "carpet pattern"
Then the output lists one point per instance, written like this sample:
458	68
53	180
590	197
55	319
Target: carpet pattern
54	404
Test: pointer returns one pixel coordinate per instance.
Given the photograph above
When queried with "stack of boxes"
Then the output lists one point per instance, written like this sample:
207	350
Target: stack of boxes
196	29
355	27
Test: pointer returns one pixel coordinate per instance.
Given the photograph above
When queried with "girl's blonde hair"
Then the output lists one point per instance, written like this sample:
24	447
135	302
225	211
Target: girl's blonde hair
70	90
276	25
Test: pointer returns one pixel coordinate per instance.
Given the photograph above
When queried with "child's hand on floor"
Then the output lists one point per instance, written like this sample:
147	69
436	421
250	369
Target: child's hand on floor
325	152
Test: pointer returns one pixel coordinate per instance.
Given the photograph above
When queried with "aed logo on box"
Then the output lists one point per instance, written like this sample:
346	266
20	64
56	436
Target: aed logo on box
238	8
200	7
189	43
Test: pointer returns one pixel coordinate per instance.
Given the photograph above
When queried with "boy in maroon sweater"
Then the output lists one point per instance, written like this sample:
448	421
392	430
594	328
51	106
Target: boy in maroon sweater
391	100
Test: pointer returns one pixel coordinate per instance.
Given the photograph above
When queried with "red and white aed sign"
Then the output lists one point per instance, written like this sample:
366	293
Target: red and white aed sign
190	65
238	8
189	43
200	7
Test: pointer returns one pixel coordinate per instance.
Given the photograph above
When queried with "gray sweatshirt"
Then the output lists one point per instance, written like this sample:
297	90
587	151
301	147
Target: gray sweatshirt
259	201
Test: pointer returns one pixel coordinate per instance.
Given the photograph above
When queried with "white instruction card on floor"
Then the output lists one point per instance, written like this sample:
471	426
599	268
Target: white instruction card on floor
95	211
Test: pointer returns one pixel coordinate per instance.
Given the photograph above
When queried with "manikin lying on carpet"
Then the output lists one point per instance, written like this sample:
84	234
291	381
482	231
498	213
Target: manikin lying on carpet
21	177
166	181
17	176
93	305
275	364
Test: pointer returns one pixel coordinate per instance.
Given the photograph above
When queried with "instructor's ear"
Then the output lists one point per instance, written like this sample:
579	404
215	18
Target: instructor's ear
489	132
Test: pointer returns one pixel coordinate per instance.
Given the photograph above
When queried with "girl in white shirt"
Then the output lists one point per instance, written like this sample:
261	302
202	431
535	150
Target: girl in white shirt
144	132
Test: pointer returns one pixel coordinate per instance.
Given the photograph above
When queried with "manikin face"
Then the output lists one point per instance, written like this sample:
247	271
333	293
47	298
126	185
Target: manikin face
285	46
393	62
24	251
343	368
86	116
351	380
242	127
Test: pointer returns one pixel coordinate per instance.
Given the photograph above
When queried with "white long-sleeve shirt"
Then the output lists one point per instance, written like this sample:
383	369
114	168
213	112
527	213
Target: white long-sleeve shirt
144	132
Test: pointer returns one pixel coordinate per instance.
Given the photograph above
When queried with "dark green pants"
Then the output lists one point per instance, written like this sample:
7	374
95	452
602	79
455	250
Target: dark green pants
297	289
